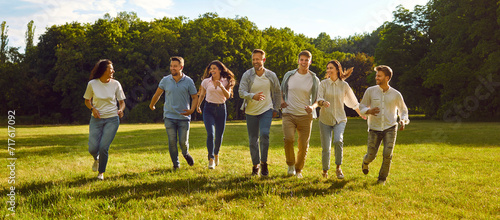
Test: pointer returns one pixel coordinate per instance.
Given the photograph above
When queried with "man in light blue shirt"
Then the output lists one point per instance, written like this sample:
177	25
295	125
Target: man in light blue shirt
381	103
177	110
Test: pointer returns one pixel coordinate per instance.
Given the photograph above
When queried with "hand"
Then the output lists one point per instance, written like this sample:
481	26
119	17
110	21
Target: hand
402	125
259	97
373	111
284	105
120	113
275	114
95	113
326	104
363	117
152	107
308	109
198	109
217	84
187	112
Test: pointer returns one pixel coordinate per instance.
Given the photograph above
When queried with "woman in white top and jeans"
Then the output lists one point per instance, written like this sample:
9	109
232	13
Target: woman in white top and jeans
217	85
100	97
333	93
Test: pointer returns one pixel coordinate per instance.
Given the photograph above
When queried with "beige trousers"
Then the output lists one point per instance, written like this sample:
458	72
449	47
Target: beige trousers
302	124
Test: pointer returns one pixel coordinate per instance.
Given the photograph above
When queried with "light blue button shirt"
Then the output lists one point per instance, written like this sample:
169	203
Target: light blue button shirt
177	96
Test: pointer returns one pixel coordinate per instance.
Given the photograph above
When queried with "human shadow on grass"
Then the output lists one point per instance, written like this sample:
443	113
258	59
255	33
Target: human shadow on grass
228	188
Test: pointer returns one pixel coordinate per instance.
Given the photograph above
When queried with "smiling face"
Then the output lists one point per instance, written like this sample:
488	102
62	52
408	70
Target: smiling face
175	68
214	71
304	62
258	61
381	78
108	74
331	71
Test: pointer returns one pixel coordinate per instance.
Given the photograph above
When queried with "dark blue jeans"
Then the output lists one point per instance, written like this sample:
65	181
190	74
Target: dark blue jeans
214	117
258	127
102	131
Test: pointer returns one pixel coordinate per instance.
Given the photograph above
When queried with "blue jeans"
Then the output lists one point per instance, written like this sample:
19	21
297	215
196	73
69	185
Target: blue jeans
214	117
177	128
102	131
255	124
325	132
374	140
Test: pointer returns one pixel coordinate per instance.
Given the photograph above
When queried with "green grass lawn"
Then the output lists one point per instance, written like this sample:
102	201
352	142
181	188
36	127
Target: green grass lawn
439	171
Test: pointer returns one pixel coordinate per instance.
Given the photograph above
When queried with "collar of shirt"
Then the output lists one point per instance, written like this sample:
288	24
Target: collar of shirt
382	90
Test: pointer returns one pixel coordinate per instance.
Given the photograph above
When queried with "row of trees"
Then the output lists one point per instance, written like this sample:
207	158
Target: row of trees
444	56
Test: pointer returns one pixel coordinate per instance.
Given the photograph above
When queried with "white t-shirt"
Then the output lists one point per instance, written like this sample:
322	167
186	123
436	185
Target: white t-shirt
299	93
260	84
104	96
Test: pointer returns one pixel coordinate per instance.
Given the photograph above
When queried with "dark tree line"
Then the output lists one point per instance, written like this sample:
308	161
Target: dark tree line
445	56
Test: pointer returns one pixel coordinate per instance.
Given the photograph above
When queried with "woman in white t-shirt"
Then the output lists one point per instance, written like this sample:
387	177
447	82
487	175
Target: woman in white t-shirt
100	97
333	93
217	85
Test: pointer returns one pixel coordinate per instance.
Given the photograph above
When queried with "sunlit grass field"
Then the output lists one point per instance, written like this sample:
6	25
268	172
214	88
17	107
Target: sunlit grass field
439	171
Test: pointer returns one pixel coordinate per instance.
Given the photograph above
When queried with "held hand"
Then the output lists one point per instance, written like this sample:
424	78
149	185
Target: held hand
308	109
275	114
187	112
120	113
259	97
284	105
198	109
402	125
326	104
363	117
95	113
373	111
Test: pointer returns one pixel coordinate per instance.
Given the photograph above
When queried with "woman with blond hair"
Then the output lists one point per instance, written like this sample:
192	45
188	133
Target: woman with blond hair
333	93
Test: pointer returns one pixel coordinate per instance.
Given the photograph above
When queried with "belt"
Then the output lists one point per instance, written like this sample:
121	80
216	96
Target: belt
216	105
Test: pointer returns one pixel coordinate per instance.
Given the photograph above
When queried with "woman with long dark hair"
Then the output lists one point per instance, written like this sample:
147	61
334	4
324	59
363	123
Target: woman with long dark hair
100	97
217	85
333	93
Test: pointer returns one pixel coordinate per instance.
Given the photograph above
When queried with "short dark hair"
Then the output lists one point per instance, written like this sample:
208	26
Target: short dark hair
99	68
385	69
259	51
305	53
177	58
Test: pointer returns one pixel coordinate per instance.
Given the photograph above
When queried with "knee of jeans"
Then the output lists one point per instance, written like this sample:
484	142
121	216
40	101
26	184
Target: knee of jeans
264	135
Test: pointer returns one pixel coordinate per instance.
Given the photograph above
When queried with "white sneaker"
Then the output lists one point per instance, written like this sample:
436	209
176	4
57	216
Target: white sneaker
291	170
100	176
299	175
95	166
211	164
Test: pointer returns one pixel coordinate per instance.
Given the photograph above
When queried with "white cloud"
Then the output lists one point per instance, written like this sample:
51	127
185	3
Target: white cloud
154	8
56	12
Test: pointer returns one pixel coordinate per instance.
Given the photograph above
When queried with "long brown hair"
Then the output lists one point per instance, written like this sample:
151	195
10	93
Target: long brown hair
224	72
100	67
340	73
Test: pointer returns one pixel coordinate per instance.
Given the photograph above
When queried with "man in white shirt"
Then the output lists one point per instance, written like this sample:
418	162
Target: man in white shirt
260	90
299	93
380	103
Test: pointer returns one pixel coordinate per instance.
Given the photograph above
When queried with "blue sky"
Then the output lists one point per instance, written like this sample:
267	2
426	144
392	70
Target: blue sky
334	17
